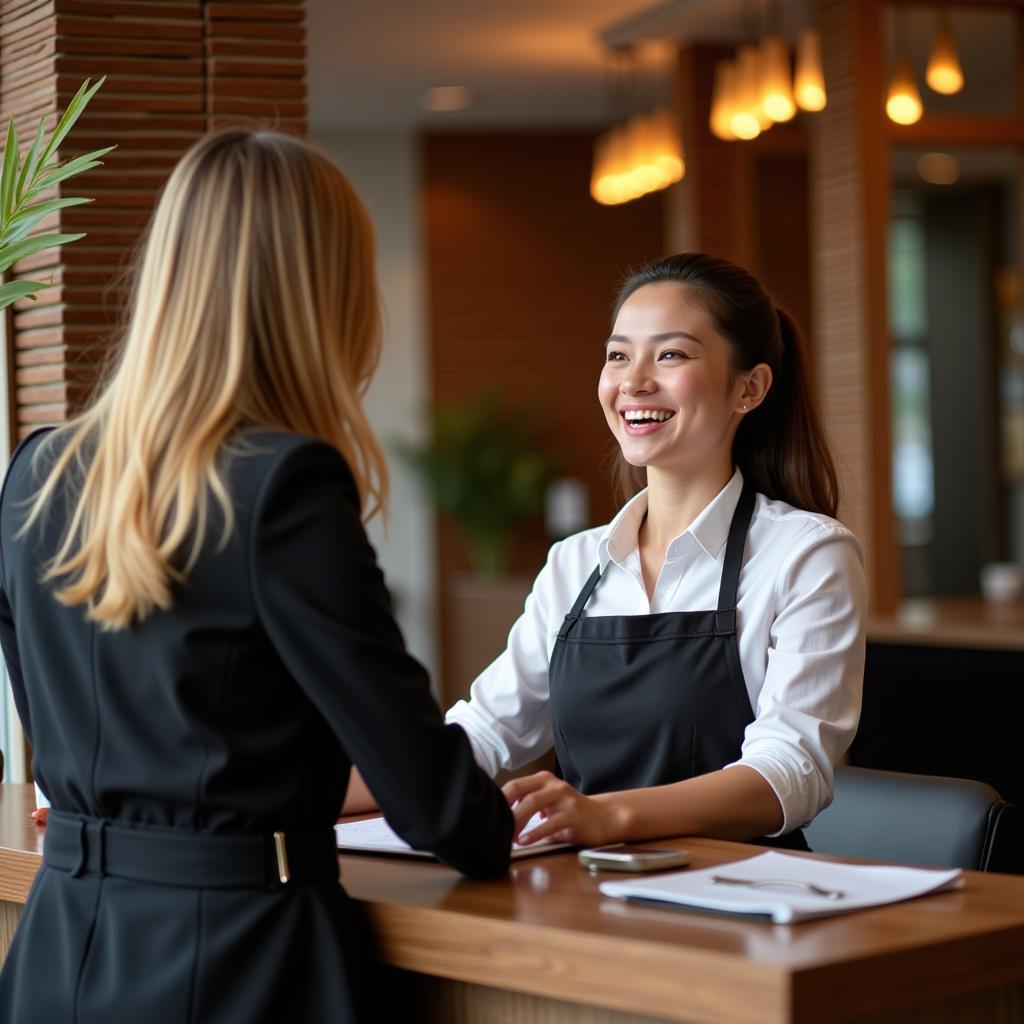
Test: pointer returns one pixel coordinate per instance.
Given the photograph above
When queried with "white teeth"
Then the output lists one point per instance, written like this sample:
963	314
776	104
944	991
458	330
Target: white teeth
638	415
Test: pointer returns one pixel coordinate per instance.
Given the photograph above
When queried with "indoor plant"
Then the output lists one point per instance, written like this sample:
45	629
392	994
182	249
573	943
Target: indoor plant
24	183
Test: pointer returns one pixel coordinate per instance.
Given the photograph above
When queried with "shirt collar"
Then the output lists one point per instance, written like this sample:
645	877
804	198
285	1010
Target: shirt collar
710	529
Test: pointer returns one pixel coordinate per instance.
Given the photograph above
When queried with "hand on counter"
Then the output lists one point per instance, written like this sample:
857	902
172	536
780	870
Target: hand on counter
569	816
39	815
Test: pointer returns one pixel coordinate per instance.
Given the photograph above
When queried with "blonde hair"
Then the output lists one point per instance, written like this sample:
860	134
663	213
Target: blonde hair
255	305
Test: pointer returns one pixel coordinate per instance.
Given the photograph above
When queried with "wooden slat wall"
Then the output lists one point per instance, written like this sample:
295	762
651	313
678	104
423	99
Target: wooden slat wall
174	69
522	270
849	193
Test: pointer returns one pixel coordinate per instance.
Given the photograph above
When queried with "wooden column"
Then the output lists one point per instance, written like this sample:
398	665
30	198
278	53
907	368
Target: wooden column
174	69
849	195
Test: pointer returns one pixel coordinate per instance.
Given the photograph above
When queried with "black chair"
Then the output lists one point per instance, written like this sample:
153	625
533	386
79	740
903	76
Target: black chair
919	819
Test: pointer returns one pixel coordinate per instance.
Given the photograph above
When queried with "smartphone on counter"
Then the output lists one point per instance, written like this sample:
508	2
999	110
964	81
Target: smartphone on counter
630	857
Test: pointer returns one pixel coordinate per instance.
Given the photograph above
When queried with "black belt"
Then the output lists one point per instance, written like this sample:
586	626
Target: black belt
168	856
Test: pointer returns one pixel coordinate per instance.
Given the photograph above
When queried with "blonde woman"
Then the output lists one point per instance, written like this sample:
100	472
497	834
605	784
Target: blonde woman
198	634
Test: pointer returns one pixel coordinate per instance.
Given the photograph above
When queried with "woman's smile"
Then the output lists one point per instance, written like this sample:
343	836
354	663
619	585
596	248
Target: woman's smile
644	419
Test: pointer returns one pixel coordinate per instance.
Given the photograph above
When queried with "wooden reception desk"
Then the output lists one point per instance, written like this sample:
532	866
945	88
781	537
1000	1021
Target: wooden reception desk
543	945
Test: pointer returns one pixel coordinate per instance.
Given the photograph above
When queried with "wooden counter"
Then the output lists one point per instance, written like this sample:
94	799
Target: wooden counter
543	945
963	622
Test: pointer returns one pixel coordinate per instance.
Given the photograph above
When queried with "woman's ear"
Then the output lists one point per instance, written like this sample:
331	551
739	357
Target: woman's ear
755	386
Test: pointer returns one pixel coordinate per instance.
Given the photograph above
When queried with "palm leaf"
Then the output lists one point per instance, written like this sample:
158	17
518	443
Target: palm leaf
51	174
14	290
28	168
29	216
10	172
30	246
71	115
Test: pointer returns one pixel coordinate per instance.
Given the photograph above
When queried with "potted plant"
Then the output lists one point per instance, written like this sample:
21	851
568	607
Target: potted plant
486	469
23	184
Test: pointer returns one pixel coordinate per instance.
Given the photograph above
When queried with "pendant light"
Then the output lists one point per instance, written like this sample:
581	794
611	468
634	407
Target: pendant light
668	146
903	101
809	86
776	95
723	101
745	122
944	73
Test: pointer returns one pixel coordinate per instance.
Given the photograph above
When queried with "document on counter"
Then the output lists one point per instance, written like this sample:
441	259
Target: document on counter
375	835
783	889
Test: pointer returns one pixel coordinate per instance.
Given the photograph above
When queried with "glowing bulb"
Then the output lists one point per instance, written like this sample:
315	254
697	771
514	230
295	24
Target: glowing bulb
903	102
668	146
944	73
809	86
776	96
744	122
722	101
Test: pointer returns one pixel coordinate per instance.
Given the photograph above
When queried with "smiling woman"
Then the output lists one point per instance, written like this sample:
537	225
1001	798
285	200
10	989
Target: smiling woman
697	663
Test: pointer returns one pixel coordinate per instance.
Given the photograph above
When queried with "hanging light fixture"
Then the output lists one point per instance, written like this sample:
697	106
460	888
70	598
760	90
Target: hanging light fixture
643	152
903	101
776	94
722	99
809	86
745	122
668	146
944	73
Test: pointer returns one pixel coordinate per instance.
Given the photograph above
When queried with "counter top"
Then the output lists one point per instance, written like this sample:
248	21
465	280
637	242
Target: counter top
952	622
545	929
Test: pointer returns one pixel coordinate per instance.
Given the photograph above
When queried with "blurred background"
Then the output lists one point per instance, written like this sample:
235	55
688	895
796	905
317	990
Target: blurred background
862	157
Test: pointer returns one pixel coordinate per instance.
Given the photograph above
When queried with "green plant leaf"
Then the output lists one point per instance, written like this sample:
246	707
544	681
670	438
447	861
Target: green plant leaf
71	115
53	173
28	168
14	290
28	217
10	170
30	246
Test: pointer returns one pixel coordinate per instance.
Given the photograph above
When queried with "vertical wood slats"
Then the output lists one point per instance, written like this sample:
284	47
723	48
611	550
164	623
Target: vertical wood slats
174	69
849	189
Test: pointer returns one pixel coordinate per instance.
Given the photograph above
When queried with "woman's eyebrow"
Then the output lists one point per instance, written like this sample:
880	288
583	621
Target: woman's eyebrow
667	336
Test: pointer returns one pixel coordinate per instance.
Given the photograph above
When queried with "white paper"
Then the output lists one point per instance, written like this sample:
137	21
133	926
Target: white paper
375	835
861	885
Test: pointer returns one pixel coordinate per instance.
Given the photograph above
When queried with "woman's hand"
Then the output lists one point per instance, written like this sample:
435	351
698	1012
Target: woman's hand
569	816
39	815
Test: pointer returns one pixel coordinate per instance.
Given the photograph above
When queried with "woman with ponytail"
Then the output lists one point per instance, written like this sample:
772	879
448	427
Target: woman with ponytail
198	635
697	663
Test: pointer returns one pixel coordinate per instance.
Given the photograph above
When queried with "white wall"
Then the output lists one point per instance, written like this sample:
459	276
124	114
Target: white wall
385	171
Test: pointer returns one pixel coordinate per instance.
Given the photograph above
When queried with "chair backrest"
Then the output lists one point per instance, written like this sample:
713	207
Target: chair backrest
918	819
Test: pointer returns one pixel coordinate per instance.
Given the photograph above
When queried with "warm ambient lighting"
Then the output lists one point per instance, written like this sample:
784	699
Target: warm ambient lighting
642	155
809	87
722	101
744	122
938	168
903	102
445	99
944	73
776	97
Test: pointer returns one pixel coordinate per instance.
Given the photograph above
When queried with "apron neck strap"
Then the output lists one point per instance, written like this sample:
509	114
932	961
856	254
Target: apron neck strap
729	589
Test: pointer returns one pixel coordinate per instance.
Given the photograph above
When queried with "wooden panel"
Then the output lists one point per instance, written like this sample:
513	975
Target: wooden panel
849	188
163	91
523	267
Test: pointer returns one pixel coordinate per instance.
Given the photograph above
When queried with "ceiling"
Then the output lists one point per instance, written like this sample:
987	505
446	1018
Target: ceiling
535	62
540	63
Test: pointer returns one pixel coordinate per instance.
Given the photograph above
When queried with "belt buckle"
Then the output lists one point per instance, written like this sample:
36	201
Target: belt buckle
281	849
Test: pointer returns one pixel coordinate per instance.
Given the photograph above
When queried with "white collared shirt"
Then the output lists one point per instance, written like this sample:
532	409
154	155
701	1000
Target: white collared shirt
800	624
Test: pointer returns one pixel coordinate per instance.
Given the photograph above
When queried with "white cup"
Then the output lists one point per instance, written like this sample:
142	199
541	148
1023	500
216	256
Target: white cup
1002	582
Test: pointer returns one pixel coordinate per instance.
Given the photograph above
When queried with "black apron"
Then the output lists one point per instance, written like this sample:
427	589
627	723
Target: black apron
647	700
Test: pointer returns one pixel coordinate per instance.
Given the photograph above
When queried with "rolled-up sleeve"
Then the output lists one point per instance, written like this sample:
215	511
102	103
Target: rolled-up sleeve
809	705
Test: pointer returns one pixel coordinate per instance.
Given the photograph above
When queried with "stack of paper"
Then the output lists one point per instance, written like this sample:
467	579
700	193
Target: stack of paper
375	835
783	888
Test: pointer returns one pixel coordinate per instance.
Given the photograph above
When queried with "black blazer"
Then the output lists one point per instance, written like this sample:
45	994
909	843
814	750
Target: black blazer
242	708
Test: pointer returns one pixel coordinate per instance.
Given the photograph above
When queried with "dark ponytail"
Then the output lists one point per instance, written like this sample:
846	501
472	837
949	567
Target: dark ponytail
780	446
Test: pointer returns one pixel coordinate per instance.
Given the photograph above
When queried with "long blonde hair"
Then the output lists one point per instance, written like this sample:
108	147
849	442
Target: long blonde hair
255	305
